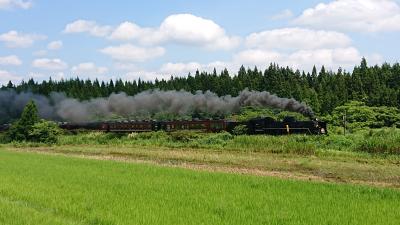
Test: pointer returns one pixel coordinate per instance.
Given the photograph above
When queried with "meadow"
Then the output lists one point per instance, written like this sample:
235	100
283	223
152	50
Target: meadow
48	189
369	157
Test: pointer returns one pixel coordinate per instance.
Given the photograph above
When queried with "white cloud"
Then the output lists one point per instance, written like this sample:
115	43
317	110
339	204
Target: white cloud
49	64
297	38
8	4
125	66
190	29
6	76
184	29
331	58
12	60
353	15
179	68
127	31
91	27
283	15
128	52
13	39
256	57
183	69
88	68
40	53
55	45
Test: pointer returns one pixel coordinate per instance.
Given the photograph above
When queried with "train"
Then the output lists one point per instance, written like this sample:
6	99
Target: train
261	125
264	125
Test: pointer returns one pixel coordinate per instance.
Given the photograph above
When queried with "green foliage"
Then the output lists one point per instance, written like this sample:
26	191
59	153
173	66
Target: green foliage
44	132
247	113
380	141
183	136
297	116
359	115
215	140
20	130
30	128
4	138
240	130
385	141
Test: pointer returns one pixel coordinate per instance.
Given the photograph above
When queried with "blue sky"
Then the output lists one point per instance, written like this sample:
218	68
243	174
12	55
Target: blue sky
132	39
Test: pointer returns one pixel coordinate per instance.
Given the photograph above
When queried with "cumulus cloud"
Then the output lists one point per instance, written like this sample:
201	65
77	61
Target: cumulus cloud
184	29
40	53
179	68
11	60
14	39
190	29
88	68
8	4
128	52
87	26
49	64
297	38
55	45
331	58
128	31
283	15
353	15
6	76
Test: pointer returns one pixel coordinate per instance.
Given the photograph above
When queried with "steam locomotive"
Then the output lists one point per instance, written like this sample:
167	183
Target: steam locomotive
265	125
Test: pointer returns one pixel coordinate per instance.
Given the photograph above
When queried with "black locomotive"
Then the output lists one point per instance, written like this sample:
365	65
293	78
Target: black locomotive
265	125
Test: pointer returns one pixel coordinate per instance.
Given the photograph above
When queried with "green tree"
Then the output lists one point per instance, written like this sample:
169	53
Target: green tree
21	128
44	132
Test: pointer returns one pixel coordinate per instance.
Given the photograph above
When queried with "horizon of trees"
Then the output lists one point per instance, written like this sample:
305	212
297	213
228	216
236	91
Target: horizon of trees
323	90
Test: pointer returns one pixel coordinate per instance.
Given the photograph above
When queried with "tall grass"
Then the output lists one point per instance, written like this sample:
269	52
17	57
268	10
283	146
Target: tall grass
377	141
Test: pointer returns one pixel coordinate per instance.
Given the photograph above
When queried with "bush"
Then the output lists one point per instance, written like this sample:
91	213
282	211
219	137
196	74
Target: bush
44	132
240	130
4	138
384	141
183	136
219	139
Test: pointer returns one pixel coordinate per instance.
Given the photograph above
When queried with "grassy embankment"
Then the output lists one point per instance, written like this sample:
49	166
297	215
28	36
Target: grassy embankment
367	157
43	189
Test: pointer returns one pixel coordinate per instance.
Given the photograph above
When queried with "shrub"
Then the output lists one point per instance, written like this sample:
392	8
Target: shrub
240	130
384	141
219	139
44	131
183	136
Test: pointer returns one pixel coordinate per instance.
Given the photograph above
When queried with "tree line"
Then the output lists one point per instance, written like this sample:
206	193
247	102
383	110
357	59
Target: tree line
323	90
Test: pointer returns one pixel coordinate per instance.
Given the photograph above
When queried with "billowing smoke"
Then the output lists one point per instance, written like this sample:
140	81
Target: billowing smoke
58	106
12	104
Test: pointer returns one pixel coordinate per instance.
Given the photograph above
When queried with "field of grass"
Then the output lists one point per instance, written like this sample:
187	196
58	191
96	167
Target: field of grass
365	157
44	189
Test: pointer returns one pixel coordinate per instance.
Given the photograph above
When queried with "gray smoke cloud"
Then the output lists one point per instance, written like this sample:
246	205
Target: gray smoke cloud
12	104
58	106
